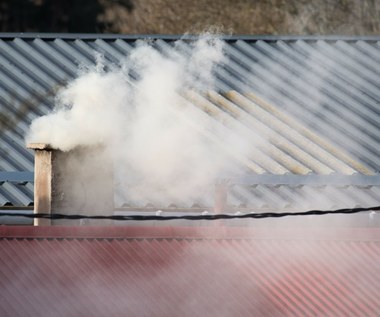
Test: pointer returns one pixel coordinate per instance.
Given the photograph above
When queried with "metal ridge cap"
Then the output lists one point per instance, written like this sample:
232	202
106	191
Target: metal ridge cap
172	37
309	179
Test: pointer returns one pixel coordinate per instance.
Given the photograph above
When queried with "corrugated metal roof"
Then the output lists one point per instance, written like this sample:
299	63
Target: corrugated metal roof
315	99
89	271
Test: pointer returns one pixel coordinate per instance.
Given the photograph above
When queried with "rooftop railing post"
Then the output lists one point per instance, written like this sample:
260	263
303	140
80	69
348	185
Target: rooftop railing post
221	190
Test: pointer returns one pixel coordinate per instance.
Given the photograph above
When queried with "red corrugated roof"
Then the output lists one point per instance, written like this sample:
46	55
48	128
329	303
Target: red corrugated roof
121	271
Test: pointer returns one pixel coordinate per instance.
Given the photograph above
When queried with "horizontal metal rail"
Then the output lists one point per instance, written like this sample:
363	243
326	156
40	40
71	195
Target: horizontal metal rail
16	177
264	179
313	179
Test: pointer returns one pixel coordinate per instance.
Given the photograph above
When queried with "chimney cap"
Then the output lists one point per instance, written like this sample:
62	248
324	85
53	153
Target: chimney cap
39	146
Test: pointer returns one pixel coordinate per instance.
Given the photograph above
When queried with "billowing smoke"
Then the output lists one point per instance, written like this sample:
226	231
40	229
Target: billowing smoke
169	149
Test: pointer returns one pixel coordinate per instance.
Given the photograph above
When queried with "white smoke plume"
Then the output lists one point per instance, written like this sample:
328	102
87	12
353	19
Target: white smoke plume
154	137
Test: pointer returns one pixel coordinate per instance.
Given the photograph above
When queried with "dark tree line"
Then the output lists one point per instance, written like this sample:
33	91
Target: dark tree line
77	16
342	17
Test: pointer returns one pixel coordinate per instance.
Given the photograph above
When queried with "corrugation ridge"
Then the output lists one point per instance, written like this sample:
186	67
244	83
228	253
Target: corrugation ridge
290	120
187	273
334	95
224	246
81	272
295	99
277	137
9	197
343	281
109	50
365	104
180	274
153	266
222	80
339	194
330	269
13	258
297	200
22	79
292	280
90	249
366	264
38	264
244	196
85	49
204	266
18	154
41	60
296	89
321	128
55	294
371	191
309	288
368	62
218	126
142	263
338	69
22	123
123	46
46	71
361	196
368	49
319	197
251	291
21	88
331	284
4	201
97	285
357	280
305	146
56	56
25	67
129	269
266	161
272	196
18	195
349	63
283	297
6	166
119	266
70	50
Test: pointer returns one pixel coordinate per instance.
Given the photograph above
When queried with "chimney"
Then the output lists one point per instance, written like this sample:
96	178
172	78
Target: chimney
72	182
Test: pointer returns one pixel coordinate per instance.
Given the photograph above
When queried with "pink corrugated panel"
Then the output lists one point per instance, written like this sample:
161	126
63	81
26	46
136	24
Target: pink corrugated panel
108	271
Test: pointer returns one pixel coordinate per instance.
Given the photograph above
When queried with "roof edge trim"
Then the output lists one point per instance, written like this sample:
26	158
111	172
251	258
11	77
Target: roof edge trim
178	232
133	37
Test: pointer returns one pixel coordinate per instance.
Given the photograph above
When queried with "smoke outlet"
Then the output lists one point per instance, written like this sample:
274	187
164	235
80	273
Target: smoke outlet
71	182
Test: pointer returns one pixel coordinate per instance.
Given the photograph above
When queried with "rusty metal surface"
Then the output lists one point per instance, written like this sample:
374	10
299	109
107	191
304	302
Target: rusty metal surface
70	271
